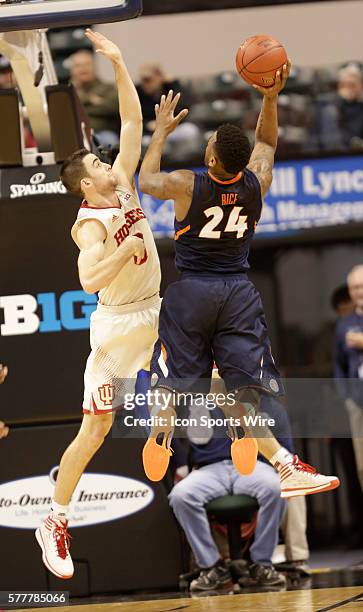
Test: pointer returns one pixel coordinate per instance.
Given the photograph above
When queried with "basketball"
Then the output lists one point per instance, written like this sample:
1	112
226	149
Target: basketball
258	59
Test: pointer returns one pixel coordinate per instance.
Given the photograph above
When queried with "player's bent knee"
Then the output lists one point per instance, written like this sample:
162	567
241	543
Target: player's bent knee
272	490
179	496
182	497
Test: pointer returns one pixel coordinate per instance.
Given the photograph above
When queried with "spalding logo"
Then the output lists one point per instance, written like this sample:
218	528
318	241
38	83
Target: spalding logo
267	80
37	178
98	498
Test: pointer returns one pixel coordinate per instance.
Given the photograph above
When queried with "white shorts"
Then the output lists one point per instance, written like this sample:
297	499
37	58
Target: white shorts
122	343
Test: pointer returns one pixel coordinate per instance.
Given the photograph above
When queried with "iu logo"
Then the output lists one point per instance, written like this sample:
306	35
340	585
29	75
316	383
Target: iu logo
106	394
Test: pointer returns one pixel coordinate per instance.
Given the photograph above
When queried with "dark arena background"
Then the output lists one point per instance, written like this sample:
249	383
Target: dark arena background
56	96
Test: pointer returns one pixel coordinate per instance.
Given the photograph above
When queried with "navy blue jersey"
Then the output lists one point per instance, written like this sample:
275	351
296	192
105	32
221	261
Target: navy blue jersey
216	234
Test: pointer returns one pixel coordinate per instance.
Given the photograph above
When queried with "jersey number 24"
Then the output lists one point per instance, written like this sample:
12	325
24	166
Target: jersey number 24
235	222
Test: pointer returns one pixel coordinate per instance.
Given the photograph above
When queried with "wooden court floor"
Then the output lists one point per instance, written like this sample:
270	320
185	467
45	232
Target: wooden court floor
345	599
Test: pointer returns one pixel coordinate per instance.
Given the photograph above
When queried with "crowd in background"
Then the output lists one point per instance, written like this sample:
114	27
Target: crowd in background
320	110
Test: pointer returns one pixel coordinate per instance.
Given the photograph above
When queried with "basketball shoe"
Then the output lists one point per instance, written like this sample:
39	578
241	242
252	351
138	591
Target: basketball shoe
157	452
213	578
298	478
156	457
244	450
54	539
244	453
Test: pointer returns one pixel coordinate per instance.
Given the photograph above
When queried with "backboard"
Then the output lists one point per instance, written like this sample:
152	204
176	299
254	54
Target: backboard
34	14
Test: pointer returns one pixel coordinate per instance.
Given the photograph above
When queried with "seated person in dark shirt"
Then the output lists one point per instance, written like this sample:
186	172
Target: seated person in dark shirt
339	118
153	83
214	475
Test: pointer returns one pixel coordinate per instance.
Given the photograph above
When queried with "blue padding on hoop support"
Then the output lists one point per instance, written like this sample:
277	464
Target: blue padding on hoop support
128	10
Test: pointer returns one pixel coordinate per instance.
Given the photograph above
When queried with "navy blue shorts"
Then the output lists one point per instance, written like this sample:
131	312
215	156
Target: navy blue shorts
212	319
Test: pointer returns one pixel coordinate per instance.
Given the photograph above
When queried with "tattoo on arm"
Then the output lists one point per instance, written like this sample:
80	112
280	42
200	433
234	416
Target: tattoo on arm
259	128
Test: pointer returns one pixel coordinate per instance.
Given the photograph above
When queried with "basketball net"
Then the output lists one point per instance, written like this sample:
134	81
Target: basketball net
22	49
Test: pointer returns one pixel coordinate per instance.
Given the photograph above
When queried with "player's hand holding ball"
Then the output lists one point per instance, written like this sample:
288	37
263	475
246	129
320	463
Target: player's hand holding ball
103	45
280	81
166	121
262	62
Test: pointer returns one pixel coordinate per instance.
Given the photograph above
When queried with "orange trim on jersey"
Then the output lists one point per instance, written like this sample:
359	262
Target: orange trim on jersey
229	182
164	352
181	231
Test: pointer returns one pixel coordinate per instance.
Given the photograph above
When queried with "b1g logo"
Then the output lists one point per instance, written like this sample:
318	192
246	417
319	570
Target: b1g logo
28	314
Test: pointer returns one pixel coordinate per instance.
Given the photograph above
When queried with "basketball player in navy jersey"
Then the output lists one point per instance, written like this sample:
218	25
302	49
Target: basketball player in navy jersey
214	313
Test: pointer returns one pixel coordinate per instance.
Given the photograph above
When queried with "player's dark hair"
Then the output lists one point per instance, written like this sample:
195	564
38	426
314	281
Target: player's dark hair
341	295
233	148
73	171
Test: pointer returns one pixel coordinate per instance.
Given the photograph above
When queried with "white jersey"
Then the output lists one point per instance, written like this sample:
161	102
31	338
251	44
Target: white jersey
133	283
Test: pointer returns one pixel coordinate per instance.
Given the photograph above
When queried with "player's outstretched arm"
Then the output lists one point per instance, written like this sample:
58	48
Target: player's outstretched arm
263	154
177	185
95	270
130	110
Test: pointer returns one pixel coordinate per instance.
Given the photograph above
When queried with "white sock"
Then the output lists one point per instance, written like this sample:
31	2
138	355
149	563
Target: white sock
58	511
283	456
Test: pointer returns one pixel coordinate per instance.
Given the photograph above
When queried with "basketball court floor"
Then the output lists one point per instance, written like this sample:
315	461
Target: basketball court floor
325	590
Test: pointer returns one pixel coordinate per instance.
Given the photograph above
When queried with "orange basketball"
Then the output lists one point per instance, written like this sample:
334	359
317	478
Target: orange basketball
258	59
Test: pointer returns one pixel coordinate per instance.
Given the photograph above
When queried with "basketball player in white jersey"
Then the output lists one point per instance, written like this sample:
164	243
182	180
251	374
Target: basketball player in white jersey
118	259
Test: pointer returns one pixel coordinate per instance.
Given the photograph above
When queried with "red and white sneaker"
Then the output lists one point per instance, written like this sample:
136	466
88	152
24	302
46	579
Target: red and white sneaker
298	478
54	540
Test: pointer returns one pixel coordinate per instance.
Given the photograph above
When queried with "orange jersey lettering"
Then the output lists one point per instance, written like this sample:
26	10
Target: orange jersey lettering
229	198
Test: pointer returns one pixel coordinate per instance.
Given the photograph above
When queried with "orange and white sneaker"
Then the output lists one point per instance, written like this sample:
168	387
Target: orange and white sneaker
298	478
54	539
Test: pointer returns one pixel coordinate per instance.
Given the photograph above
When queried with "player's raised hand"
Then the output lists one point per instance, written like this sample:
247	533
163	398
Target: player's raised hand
166	120
280	82
103	45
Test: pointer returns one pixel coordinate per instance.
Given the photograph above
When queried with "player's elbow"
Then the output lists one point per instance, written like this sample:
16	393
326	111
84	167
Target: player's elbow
89	286
90	289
